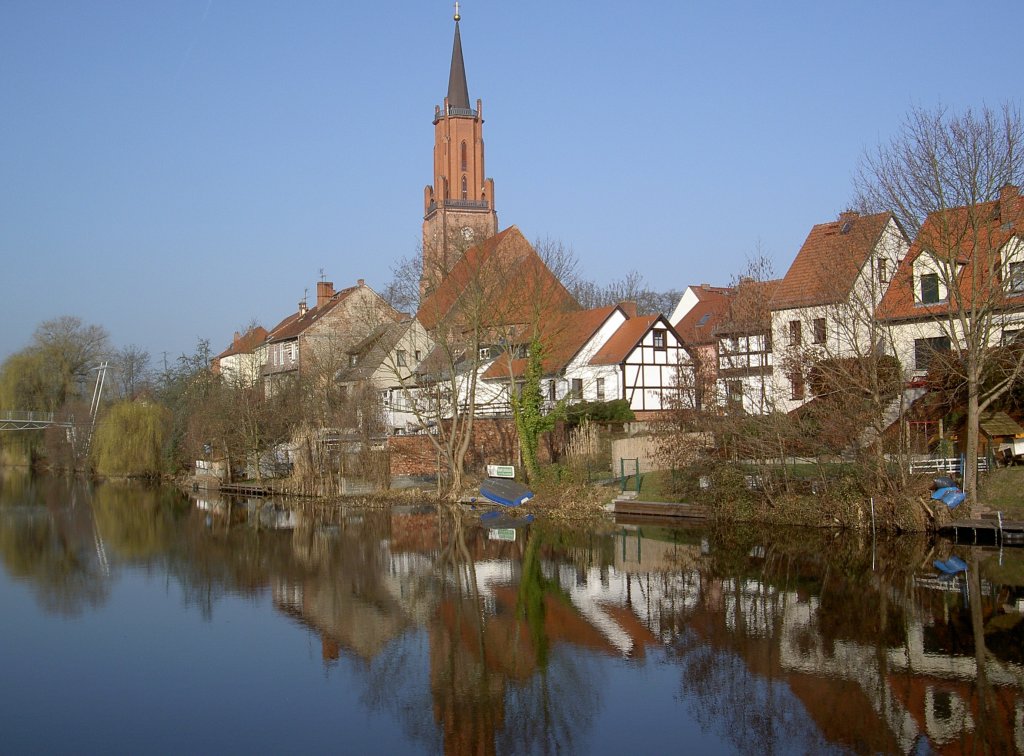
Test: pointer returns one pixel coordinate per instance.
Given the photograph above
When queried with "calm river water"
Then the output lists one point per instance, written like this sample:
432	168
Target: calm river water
139	621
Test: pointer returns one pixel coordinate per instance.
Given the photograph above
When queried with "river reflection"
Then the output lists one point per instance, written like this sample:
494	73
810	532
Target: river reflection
411	630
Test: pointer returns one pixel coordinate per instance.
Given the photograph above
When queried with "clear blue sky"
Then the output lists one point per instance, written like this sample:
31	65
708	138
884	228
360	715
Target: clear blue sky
176	170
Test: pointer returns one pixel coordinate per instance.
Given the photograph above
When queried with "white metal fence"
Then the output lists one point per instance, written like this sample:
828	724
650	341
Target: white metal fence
948	465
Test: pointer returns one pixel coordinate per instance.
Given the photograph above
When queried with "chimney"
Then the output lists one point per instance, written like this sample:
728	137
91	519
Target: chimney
324	292
629	308
302	308
849	215
238	337
361	282
1009	195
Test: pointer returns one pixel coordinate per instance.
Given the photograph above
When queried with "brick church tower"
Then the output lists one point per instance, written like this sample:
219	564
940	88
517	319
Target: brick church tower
458	209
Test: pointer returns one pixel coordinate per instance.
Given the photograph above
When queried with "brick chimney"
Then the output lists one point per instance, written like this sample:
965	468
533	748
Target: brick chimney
361	283
302	308
1009	196
629	308
324	292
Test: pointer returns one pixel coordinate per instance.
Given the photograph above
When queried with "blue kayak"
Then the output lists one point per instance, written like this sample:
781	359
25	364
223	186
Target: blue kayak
505	491
954	499
939	493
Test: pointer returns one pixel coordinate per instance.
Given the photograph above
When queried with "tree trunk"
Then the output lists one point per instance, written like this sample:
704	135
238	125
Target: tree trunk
971	443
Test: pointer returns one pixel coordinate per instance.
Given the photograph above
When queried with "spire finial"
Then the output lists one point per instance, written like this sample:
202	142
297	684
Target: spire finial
457	16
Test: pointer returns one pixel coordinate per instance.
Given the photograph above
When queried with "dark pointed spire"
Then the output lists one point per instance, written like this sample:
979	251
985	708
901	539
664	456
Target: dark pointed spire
458	90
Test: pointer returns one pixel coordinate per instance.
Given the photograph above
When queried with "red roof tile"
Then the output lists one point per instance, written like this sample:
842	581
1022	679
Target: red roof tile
973	236
624	340
698	325
502	280
829	261
563	336
245	343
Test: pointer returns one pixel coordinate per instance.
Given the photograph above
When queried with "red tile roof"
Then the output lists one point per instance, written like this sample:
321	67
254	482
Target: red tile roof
829	261
974	237
624	340
501	281
698	325
749	310
563	336
245	343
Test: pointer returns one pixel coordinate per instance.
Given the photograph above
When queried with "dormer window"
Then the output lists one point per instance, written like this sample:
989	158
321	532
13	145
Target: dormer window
929	288
400	358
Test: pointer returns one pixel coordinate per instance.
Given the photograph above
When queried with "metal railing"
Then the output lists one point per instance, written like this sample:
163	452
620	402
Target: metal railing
944	465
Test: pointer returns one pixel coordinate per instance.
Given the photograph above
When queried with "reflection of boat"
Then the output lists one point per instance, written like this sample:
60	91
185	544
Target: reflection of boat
493	520
505	491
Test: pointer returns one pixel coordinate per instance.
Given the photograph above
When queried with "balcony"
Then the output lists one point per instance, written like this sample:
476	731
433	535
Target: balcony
460	112
457	204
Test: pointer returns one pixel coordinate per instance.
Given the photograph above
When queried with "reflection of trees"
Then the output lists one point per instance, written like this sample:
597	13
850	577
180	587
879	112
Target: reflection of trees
53	547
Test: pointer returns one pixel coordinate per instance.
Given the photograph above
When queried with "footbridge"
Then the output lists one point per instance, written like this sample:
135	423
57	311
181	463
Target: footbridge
14	420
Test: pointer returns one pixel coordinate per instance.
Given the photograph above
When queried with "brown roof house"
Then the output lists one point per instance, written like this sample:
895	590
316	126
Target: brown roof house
966	267
241	364
701	310
314	341
824	306
745	349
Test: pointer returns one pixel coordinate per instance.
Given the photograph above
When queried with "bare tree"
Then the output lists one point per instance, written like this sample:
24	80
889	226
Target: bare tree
131	366
948	177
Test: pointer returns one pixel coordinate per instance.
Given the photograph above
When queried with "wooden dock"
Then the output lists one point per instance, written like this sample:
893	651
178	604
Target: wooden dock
988	529
658	509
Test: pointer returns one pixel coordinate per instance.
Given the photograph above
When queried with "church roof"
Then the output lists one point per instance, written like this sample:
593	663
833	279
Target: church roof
458	90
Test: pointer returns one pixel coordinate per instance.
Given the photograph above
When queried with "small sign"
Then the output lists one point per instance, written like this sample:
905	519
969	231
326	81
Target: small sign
501	471
502	534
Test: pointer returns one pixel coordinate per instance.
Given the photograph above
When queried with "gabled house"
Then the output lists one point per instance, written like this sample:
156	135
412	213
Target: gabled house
745	349
648	354
824	305
315	340
571	340
240	365
697	317
499	283
965	268
387	360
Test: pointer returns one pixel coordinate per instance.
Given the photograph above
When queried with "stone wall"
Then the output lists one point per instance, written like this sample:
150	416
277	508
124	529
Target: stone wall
494	443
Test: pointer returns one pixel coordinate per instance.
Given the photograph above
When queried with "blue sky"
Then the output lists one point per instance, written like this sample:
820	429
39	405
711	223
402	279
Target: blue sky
176	170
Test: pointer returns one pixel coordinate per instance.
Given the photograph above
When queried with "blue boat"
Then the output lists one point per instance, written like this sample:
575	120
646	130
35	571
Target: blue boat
505	491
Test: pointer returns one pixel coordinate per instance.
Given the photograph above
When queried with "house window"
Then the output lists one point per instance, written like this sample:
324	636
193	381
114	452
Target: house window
795	338
463	156
734	392
416	355
929	288
1015	277
600	389
1013	335
883	270
484	353
551	390
659	338
796	385
577	388
353	360
925	350
819	330
400	358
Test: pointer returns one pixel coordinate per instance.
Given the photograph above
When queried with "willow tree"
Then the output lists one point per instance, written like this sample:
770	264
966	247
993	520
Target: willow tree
951	179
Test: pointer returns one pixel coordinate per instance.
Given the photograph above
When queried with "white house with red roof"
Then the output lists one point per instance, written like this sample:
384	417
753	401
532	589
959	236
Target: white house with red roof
930	289
824	306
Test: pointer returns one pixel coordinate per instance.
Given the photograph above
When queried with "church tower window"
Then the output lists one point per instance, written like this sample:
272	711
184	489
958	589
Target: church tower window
463	156
465	193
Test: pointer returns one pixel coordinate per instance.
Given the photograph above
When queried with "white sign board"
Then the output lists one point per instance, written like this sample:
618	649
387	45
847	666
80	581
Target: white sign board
501	471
